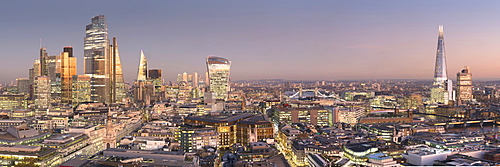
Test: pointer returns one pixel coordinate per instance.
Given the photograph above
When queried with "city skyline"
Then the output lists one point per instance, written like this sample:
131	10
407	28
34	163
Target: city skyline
264	40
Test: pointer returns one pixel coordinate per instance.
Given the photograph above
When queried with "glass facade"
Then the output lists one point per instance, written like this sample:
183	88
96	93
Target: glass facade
143	68
440	92
218	76
95	51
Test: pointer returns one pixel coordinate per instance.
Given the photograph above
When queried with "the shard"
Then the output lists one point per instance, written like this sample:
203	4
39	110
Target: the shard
441	90
143	68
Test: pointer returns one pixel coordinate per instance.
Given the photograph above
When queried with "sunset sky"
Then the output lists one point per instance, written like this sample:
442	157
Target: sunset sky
298	40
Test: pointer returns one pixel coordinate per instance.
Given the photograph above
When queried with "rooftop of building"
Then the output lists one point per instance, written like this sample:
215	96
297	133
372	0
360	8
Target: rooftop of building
63	138
299	108
423	151
43	152
360	147
220	118
256	120
379	156
464	160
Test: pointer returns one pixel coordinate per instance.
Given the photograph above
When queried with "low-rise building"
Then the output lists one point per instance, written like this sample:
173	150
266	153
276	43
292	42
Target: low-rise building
425	156
381	160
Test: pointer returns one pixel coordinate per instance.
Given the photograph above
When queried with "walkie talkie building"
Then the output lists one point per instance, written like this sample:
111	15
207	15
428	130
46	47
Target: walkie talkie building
218	76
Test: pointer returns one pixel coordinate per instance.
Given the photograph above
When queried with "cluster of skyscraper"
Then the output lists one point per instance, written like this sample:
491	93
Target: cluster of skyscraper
442	89
149	86
53	79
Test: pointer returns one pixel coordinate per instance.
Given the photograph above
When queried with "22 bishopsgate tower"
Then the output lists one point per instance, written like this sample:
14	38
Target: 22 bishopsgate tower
102	63
441	90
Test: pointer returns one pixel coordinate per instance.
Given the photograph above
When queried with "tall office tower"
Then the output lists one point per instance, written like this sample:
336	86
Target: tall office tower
441	88
42	91
96	58
195	80
116	81
68	69
185	77
143	68
154	74
190	79
155	77
218	76
43	61
464	85
206	79
23	85
81	88
33	73
53	64
179	77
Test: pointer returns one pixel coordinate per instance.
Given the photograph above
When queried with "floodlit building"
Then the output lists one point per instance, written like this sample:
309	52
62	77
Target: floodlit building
102	63
12	102
425	156
225	125
441	91
96	58
194	138
68	70
81	88
317	116
42	92
348	115
142	73
254	129
464	85
23	85
218	76
381	160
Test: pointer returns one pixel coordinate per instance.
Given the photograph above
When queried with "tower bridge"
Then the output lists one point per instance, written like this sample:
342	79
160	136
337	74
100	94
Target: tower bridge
301	93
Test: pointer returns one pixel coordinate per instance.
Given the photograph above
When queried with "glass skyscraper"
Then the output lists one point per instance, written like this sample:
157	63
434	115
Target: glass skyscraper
218	76
102	63
441	90
143	68
96	45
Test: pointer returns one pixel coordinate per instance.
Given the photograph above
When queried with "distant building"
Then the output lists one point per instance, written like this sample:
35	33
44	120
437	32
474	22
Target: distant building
317	116
464	85
348	115
42	92
23	85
